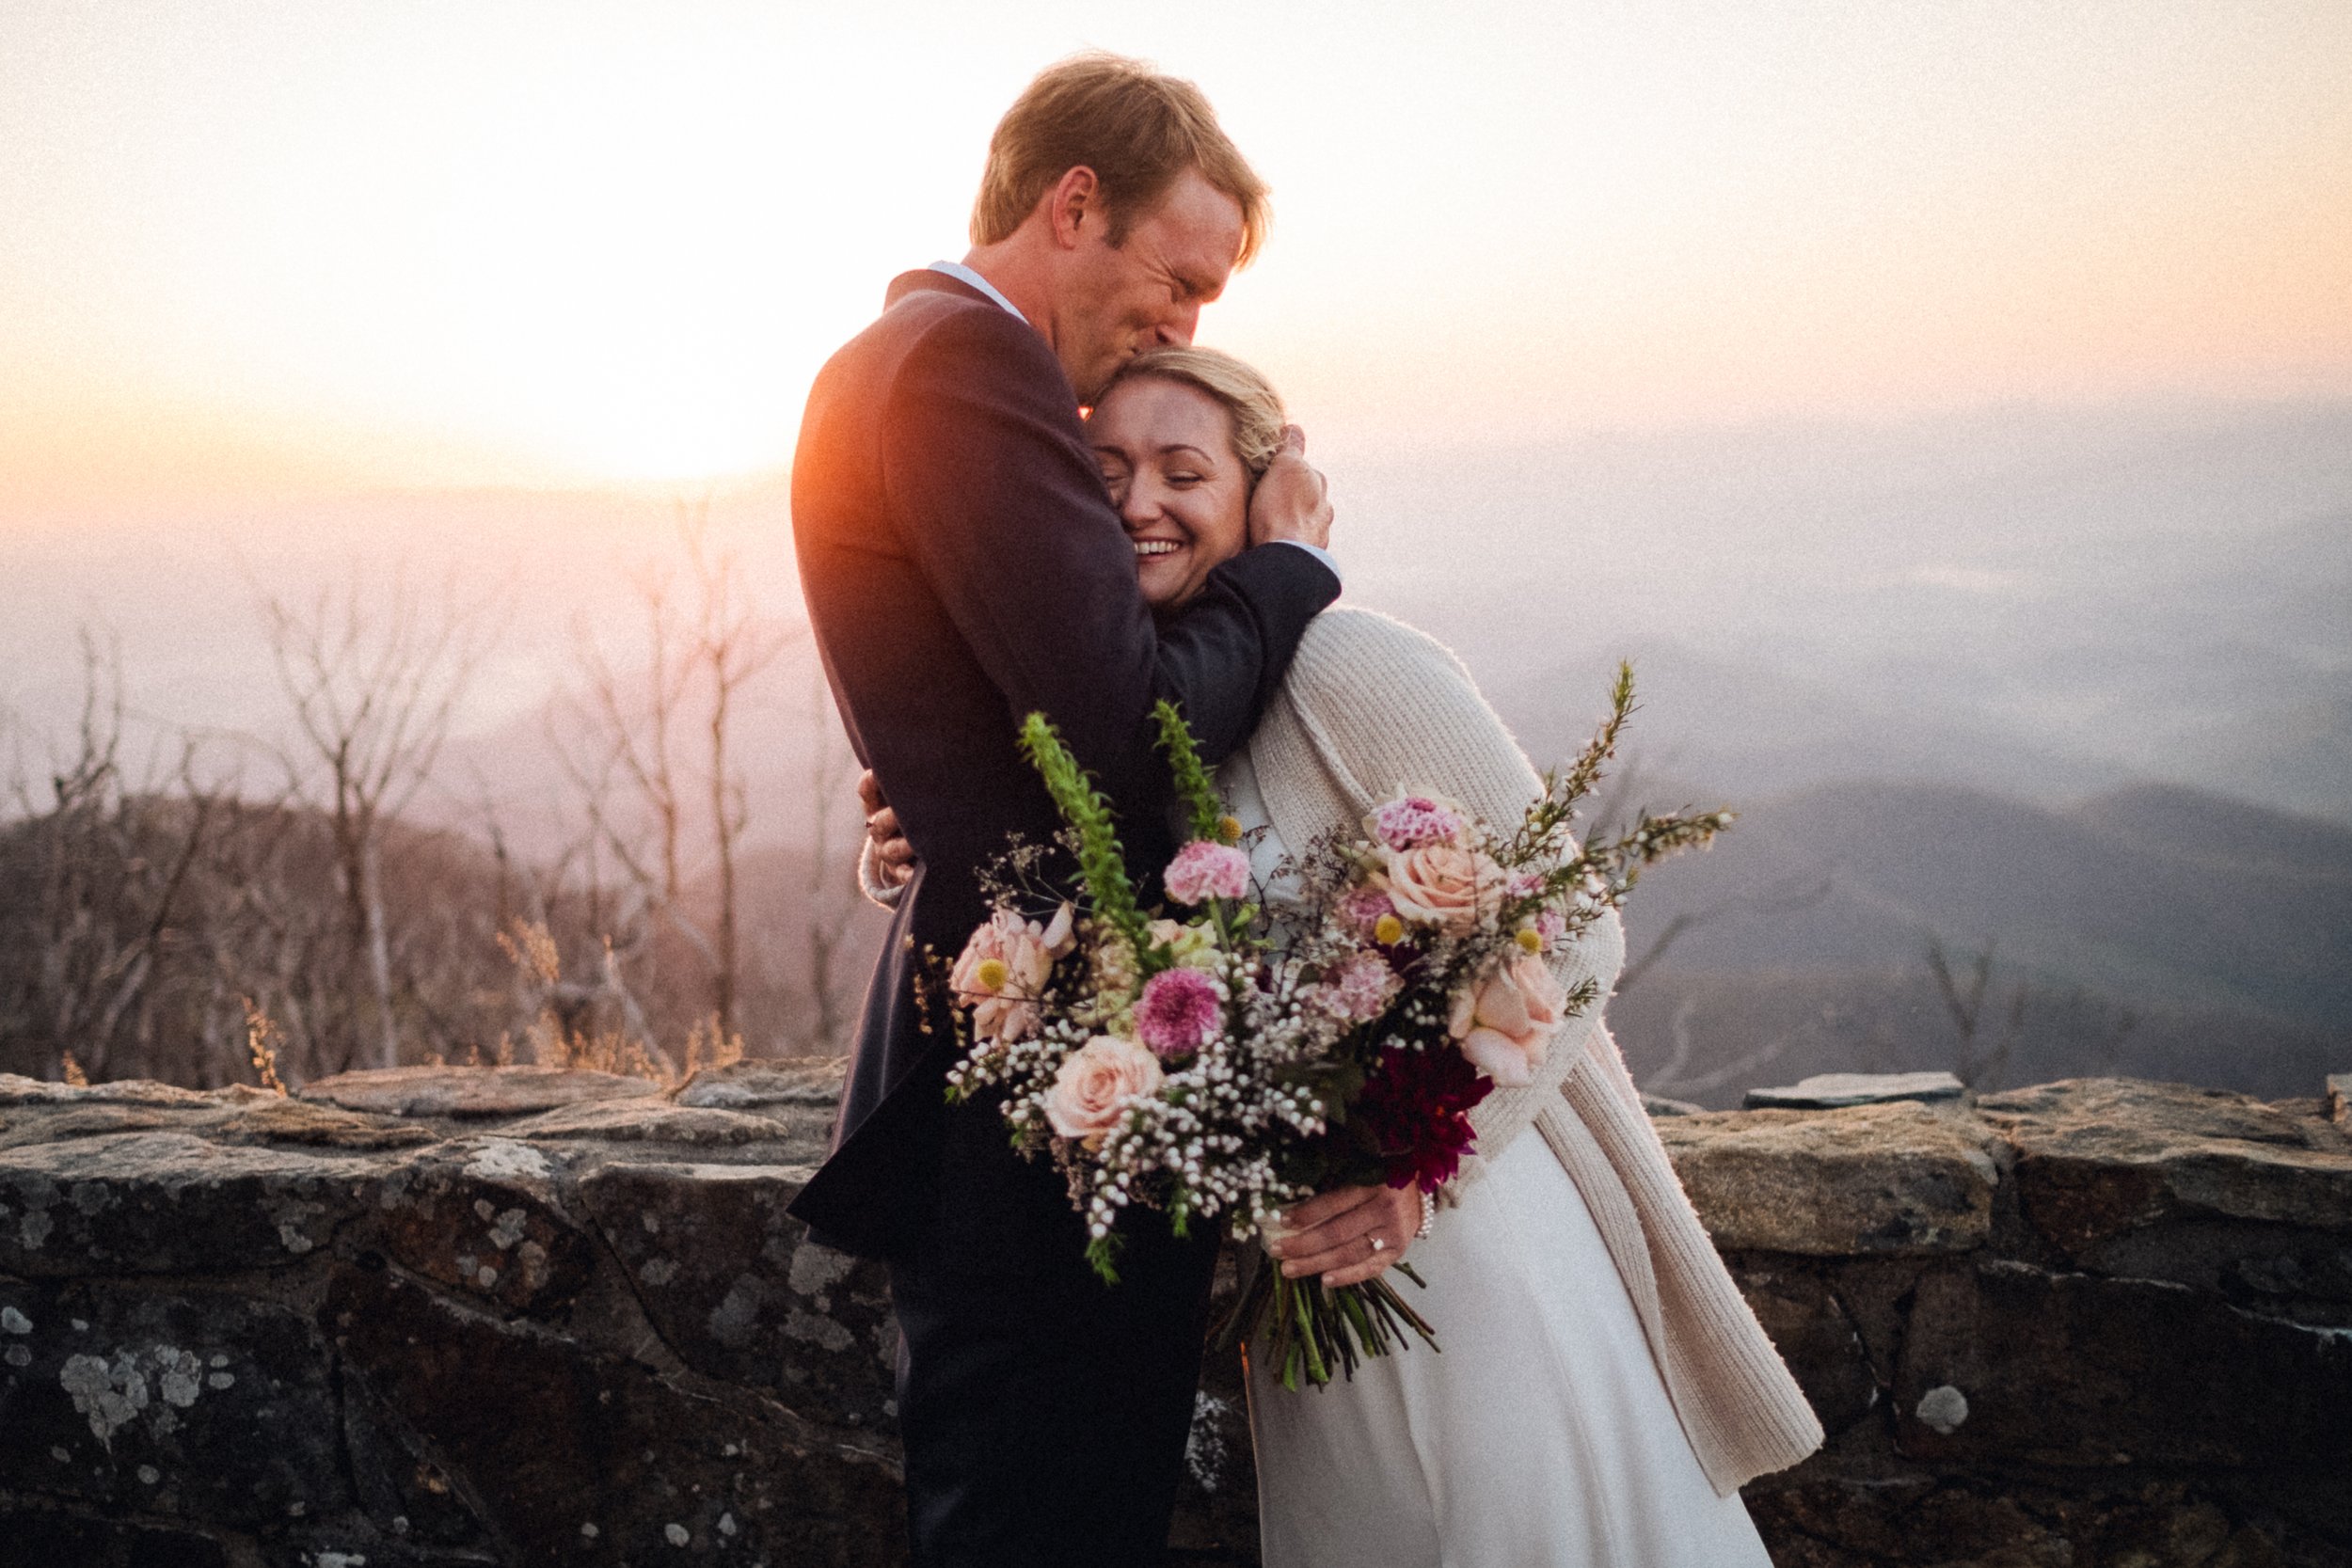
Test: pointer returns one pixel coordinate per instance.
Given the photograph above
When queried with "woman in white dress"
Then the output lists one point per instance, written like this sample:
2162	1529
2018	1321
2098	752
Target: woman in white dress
1603	1390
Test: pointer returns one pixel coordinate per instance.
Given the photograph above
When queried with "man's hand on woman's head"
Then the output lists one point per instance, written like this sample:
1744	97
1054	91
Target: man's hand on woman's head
894	857
1291	501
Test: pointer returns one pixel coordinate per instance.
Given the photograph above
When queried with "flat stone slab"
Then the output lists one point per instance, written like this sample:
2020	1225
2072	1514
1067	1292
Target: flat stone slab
19	1090
637	1119
471	1091
746	1085
234	1116
1869	1179
2100	1157
1830	1090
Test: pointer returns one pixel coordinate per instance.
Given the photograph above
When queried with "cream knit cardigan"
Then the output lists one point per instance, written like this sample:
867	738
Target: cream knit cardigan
1371	705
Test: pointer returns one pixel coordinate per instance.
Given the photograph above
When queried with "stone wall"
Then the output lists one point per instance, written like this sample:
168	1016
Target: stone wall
516	1316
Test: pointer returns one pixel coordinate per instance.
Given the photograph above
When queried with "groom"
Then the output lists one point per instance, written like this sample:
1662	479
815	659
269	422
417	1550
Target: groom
963	567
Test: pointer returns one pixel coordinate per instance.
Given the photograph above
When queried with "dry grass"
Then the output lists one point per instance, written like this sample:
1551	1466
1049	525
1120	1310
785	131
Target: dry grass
547	1041
263	1040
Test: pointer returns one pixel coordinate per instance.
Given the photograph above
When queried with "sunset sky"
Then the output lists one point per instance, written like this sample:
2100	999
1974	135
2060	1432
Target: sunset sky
261	247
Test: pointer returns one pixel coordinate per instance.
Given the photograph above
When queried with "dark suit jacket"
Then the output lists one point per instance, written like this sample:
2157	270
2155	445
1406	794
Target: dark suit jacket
963	566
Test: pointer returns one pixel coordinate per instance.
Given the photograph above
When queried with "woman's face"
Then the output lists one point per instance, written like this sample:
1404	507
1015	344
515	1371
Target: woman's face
1167	450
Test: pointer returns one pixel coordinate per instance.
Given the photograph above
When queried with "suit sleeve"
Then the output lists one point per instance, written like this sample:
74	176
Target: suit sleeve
1005	514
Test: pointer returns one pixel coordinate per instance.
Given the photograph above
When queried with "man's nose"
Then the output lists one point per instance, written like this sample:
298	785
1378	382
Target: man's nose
1177	332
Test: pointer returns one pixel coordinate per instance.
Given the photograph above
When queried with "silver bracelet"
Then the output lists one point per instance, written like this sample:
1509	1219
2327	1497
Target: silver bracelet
1428	1216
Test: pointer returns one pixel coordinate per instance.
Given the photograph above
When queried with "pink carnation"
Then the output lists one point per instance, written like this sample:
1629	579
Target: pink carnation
1416	820
1362	907
1360	989
1179	1012
1204	869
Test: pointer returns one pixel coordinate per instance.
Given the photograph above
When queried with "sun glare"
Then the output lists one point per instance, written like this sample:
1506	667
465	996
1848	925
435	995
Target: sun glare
620	258
606	241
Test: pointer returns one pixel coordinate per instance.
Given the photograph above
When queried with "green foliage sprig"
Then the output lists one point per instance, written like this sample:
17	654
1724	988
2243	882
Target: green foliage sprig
1563	791
1194	786
1102	864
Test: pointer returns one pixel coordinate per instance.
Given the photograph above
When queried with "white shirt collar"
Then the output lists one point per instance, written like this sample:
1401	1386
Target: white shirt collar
962	274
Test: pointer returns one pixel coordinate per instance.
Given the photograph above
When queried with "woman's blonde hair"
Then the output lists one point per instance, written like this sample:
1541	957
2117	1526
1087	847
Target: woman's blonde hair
1248	397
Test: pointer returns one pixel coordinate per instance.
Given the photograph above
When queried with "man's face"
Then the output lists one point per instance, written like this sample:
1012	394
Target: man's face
1147	292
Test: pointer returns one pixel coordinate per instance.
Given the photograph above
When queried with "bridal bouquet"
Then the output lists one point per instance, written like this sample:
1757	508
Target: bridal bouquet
1218	1066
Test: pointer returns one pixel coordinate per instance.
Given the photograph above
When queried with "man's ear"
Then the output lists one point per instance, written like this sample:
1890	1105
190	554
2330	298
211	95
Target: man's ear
1073	205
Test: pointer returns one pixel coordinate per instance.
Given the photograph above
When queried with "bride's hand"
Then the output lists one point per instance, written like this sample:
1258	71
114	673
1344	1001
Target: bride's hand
1332	1233
1291	500
894	857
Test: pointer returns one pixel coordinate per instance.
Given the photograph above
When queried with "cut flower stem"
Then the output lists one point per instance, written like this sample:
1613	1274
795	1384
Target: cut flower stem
1312	1333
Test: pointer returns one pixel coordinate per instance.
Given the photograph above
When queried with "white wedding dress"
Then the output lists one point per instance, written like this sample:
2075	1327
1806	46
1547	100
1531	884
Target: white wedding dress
1541	1437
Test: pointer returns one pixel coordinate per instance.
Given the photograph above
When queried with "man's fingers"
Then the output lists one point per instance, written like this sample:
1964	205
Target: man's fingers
882	826
869	791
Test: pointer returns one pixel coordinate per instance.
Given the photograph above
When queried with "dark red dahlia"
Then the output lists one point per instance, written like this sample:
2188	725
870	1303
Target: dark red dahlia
1415	1112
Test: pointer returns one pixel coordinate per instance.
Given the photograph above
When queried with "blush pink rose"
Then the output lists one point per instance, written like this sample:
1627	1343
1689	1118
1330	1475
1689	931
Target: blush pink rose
1204	869
1505	1022
1002	972
1443	885
1094	1084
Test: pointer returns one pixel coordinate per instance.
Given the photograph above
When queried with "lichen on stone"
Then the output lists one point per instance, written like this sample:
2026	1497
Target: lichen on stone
504	1160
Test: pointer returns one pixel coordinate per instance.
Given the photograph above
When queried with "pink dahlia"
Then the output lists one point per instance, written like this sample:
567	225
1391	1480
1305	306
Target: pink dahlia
1416	820
1179	1012
1204	869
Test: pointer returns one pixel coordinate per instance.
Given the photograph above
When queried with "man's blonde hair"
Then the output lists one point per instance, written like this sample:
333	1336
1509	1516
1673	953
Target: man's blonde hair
1135	128
1247	396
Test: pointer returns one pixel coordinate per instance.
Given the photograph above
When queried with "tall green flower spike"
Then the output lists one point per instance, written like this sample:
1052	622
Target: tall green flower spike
1102	864
1193	785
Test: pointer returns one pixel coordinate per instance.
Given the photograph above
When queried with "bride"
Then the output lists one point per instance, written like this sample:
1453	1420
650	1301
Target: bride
1604	1390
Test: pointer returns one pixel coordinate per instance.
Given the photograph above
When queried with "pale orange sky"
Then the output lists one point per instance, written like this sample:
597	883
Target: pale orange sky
256	247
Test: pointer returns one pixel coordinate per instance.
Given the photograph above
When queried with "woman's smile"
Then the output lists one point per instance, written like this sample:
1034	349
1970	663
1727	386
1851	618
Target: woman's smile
1166	452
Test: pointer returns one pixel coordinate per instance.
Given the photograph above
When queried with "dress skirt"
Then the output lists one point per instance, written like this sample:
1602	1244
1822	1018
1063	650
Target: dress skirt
1541	1437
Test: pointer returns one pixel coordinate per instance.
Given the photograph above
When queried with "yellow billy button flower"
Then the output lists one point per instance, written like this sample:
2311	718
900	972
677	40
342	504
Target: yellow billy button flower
1387	930
992	974
1531	939
1229	830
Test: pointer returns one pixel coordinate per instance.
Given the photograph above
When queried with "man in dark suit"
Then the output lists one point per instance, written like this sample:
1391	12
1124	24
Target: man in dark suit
963	566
